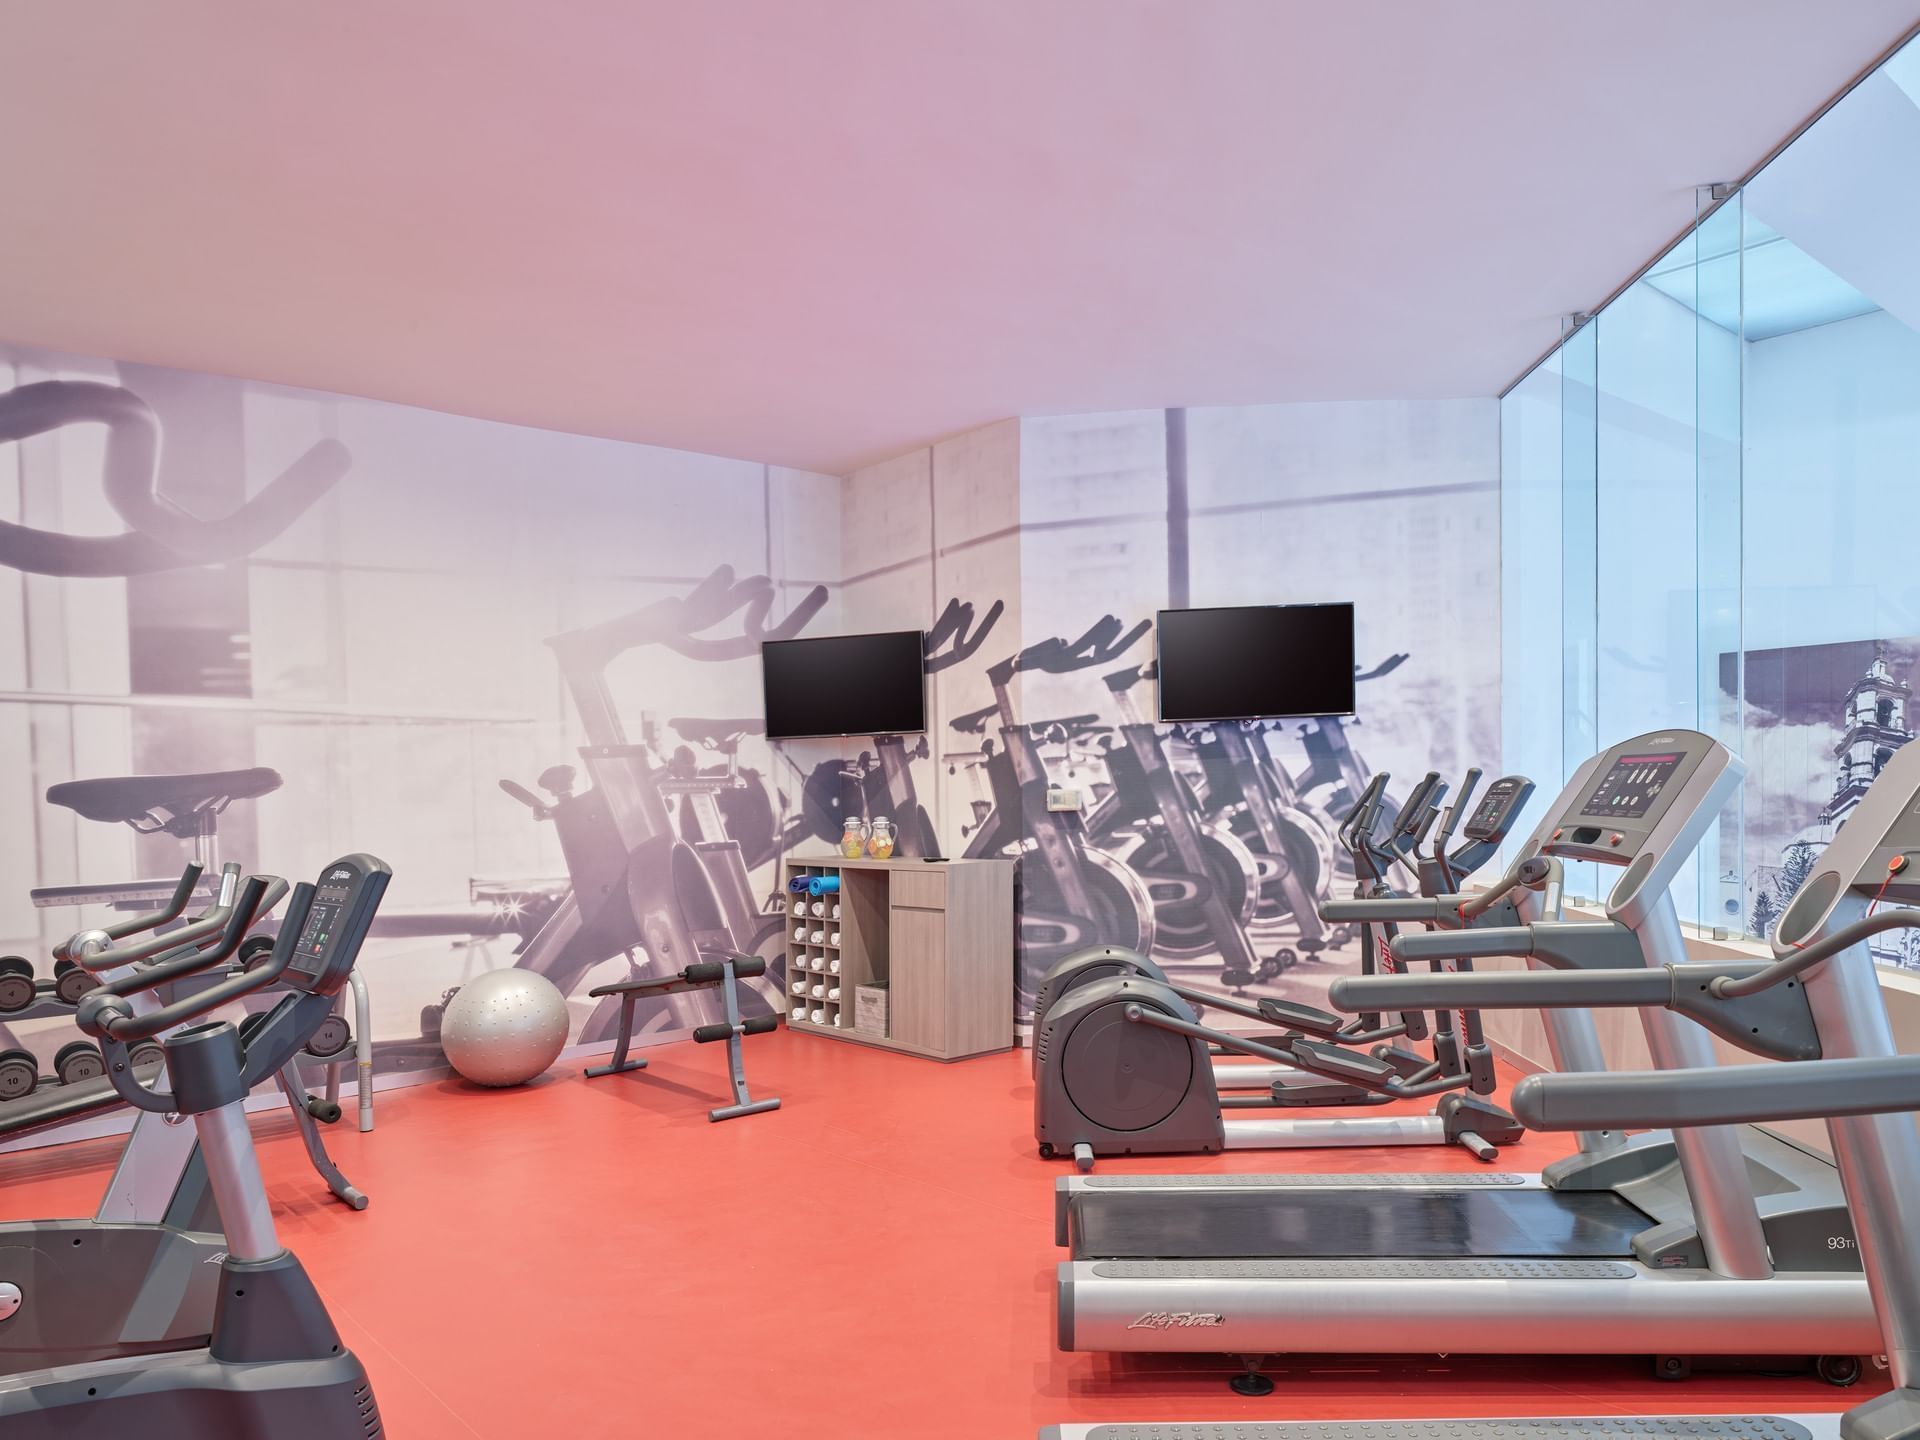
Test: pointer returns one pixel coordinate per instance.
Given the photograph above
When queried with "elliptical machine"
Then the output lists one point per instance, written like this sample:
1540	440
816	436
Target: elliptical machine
272	1366
1106	1084
1457	1045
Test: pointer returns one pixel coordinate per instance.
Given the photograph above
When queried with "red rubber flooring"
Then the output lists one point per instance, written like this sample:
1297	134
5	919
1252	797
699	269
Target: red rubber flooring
590	1258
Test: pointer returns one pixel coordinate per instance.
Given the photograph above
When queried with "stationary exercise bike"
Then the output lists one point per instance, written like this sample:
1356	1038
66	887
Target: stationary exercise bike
269	1364
1203	880
1073	894
637	887
160	1175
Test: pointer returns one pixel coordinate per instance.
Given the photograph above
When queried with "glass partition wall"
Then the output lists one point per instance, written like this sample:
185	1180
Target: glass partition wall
1706	493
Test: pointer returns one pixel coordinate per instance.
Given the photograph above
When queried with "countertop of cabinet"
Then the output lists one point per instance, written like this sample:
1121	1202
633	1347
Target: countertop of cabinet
841	862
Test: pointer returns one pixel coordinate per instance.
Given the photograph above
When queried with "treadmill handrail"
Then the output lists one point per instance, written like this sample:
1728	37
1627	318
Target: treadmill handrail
1719	1095
1424	909
1774	1021
1806	957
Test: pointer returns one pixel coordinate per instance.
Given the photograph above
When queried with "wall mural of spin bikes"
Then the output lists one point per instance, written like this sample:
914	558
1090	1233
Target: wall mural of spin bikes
311	611
1199	844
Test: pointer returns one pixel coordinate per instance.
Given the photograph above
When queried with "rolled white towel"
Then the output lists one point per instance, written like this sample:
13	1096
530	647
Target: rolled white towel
836	910
833	993
833	966
833	937
800	987
819	937
800	932
820	1016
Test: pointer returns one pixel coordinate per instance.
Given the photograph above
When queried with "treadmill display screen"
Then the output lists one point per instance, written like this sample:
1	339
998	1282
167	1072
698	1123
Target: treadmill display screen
1628	790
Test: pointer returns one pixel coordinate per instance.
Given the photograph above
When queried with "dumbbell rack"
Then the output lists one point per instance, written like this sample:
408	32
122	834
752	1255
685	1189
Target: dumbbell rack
811	964
26	996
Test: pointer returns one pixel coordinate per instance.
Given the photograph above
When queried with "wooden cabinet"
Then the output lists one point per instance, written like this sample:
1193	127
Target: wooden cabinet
938	936
917	1010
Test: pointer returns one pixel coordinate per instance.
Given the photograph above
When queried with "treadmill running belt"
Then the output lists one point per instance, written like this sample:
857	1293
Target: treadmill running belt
1342	1224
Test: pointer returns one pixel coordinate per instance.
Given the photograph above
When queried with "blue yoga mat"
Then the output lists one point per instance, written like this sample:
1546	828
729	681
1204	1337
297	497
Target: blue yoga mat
824	885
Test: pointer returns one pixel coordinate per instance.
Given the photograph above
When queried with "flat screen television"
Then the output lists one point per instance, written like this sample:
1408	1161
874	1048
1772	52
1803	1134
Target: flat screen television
845	685
1248	662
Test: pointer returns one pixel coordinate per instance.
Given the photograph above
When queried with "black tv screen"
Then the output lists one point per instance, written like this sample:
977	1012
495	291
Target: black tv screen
1246	662
845	685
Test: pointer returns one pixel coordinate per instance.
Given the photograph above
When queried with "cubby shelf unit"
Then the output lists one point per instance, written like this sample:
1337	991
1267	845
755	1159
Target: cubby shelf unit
939	936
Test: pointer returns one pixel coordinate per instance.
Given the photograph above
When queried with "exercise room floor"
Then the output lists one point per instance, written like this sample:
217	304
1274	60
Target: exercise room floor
876	1258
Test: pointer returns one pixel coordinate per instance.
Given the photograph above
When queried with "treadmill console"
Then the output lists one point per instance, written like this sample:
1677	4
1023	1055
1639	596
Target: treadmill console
1632	786
345	898
1874	855
1498	808
1645	804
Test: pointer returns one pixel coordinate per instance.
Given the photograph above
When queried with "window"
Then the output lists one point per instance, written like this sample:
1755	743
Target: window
1738	434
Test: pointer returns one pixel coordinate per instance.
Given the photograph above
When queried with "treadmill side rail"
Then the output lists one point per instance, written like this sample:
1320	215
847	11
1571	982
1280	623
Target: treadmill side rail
1200	1307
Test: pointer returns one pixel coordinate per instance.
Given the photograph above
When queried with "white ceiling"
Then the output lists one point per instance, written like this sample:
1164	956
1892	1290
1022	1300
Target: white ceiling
815	232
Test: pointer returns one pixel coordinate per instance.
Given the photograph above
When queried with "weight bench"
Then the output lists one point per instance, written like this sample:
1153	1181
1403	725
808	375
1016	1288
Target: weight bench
702	975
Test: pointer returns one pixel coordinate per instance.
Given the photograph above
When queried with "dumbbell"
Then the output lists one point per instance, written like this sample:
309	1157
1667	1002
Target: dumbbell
19	1074
18	989
78	1060
72	980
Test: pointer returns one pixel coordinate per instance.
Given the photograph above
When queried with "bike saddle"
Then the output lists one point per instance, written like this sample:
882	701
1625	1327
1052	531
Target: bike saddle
173	803
974	722
717	734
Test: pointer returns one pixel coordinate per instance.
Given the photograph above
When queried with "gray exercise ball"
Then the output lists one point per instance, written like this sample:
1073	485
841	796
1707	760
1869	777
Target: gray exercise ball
505	1027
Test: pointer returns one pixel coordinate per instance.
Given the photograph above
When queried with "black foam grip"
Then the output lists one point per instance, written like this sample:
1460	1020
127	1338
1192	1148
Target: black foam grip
703	972
748	966
760	1025
325	1111
706	1033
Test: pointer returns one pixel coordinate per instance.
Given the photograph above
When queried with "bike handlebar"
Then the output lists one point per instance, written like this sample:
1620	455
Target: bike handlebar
193	959
193	933
104	1014
153	920
676	621
953	626
1105	640
161	535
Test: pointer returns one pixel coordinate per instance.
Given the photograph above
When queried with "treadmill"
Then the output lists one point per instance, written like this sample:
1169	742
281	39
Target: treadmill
1862	1087
1650	1245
